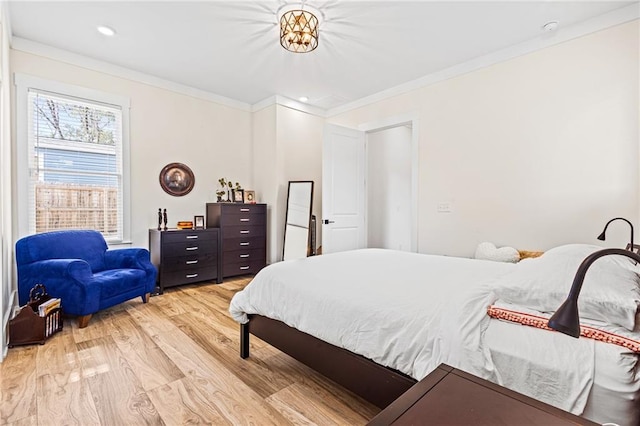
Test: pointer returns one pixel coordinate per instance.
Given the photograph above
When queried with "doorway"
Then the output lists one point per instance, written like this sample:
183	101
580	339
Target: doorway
388	181
378	194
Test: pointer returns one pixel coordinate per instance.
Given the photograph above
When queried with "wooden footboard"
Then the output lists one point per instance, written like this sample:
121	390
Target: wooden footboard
373	382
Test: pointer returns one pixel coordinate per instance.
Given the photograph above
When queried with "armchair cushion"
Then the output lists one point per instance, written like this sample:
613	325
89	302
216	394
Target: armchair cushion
76	266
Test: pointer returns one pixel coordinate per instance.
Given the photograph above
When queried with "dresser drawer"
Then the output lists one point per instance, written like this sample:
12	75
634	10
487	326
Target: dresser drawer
185	236
228	209
244	243
188	248
241	268
242	231
173	278
242	219
189	262
243	256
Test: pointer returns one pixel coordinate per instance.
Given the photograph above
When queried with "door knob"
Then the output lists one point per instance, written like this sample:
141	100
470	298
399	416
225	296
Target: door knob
327	221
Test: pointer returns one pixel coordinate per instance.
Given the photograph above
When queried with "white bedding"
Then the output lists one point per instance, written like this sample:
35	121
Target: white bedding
609	395
412	312
350	300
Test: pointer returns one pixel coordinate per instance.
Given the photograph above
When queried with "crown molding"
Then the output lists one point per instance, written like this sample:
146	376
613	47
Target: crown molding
289	103
613	18
61	55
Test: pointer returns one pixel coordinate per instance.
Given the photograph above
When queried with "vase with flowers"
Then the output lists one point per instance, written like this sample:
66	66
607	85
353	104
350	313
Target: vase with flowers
222	191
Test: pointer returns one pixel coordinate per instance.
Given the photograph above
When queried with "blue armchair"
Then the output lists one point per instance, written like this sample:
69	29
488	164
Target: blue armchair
77	267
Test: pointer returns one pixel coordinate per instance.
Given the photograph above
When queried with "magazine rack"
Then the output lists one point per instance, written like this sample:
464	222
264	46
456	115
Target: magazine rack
28	327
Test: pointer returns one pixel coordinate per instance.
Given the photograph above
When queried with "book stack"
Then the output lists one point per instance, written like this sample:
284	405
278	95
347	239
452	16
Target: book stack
185	224
45	307
50	311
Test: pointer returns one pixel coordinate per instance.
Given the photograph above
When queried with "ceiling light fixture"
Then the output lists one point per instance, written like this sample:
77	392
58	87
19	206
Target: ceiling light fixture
106	31
299	30
303	99
550	26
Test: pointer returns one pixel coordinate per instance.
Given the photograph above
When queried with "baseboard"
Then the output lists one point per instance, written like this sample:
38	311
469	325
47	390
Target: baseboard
5	323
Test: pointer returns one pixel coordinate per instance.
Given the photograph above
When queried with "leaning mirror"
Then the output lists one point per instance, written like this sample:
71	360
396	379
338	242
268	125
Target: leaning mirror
297	222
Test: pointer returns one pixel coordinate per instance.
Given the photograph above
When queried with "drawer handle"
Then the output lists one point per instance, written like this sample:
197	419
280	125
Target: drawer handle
192	237
191	248
191	262
244	232
244	244
245	210
244	220
243	256
242	268
191	275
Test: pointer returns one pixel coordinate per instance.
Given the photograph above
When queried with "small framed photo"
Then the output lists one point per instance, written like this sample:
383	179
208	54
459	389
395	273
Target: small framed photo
250	196
198	222
238	195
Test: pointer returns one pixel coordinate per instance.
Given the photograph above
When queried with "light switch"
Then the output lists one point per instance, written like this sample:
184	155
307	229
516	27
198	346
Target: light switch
444	207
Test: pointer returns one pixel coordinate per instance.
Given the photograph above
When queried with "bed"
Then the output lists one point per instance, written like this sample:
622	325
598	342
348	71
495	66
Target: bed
376	321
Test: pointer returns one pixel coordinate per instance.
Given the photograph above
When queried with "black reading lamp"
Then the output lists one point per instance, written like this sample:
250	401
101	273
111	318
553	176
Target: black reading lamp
566	319
601	237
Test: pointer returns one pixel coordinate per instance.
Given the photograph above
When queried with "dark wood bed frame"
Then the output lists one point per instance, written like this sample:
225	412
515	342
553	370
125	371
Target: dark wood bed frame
375	383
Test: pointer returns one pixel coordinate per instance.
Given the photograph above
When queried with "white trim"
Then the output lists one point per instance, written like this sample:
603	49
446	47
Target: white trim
265	103
23	83
289	103
616	17
7	315
8	32
61	55
396	121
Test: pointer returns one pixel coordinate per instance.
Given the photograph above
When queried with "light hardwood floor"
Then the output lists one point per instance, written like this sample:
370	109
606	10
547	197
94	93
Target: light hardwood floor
173	361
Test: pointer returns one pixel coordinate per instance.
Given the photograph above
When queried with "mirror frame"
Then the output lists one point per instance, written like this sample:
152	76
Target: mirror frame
286	217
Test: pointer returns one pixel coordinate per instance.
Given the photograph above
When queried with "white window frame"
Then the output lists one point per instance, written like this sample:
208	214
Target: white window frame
24	83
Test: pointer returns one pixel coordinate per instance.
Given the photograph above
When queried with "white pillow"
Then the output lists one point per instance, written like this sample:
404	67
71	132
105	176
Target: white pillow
610	291
584	250
488	251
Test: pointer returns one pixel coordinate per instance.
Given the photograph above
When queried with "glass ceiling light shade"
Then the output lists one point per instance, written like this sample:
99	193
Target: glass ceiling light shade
299	31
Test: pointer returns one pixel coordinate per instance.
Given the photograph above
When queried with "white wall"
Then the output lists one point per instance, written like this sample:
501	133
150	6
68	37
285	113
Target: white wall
165	127
265	166
300	145
533	152
389	188
6	235
287	145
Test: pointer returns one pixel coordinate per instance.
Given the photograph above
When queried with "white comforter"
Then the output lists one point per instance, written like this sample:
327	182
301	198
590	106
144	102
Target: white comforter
351	300
412	312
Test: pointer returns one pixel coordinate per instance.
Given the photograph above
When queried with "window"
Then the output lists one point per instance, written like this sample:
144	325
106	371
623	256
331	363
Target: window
73	164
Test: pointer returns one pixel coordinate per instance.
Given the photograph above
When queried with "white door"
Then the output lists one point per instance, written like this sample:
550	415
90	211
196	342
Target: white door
343	189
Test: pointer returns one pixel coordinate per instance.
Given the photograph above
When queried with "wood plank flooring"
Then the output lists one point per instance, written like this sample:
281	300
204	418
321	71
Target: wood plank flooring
172	361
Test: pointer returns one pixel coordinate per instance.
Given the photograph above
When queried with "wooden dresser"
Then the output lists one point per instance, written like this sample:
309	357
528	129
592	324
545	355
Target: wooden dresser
185	256
243	232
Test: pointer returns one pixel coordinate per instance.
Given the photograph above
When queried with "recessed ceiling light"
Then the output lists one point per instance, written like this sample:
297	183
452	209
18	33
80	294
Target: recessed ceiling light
303	99
106	31
550	26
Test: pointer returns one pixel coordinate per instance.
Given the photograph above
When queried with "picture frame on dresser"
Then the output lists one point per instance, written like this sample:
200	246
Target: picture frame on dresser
238	195
198	222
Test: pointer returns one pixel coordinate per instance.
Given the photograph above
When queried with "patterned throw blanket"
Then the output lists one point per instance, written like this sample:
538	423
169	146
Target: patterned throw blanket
541	322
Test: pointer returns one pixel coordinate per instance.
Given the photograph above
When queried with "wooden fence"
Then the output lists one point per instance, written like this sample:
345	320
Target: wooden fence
65	206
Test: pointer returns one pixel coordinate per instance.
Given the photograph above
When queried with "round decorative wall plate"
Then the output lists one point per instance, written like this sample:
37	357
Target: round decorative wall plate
177	179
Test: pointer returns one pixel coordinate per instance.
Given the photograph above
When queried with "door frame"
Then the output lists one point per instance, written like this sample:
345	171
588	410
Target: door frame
387	123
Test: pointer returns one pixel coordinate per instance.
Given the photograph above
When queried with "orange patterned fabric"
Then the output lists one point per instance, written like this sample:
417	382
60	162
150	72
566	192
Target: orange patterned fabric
541	322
